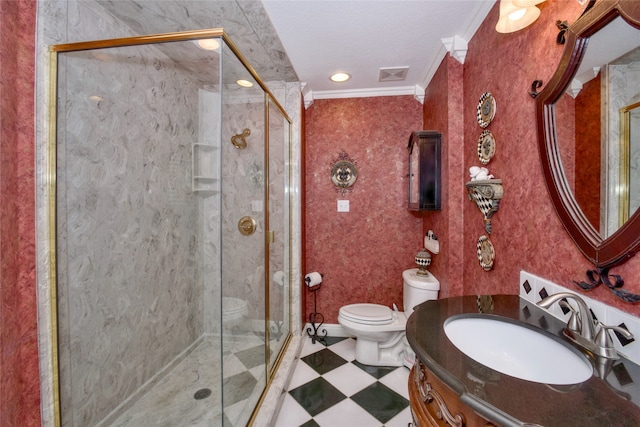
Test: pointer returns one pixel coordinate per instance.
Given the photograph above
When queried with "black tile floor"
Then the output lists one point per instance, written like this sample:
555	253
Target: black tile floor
329	388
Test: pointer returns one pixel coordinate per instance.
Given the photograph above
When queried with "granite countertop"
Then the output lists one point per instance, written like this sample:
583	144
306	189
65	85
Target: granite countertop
508	401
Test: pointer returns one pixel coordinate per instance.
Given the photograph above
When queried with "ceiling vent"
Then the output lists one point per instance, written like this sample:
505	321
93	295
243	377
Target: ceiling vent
394	74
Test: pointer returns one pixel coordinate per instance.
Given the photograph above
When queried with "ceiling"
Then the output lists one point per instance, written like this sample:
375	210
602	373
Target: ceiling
360	37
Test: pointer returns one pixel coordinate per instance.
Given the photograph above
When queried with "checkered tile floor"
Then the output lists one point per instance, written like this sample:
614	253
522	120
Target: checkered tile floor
329	388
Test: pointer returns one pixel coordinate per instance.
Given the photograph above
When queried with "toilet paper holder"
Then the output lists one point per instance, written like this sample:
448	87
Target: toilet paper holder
315	319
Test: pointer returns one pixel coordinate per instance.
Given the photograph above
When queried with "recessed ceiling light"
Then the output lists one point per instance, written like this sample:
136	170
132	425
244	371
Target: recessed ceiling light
244	83
207	44
340	77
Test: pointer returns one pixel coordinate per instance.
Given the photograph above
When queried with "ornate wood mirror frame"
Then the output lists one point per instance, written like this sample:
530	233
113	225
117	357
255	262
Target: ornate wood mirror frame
603	252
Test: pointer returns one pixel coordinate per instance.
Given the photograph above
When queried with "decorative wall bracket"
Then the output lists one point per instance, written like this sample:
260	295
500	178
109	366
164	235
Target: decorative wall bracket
563	26
537	84
600	276
486	194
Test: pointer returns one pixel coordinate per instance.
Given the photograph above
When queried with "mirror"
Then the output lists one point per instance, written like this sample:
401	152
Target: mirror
591	113
590	157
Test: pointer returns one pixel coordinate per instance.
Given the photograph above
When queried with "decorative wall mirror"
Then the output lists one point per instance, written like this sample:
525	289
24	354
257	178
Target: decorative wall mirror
578	115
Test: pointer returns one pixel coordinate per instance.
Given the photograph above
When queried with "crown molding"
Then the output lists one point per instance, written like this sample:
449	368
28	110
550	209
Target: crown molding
476	18
433	67
574	88
457	44
416	91
307	95
457	47
478	15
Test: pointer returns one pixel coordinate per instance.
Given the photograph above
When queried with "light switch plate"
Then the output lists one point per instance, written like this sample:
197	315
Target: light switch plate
343	206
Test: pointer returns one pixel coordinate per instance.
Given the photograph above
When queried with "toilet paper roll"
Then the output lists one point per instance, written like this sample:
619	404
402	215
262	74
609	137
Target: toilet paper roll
313	279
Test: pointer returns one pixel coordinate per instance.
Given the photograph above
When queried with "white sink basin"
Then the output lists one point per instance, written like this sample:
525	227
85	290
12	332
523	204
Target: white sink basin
517	350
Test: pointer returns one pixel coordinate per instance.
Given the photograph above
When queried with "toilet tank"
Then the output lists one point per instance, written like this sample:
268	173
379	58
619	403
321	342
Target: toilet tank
418	289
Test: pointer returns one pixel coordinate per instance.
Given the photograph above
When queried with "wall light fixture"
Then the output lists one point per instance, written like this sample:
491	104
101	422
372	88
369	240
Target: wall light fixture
517	14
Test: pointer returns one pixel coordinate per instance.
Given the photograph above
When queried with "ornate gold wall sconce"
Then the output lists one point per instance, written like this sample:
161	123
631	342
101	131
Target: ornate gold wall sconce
344	173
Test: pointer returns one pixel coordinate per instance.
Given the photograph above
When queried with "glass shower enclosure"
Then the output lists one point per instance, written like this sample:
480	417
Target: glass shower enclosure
170	175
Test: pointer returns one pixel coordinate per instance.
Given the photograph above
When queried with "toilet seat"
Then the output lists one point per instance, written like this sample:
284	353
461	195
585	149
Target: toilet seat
367	314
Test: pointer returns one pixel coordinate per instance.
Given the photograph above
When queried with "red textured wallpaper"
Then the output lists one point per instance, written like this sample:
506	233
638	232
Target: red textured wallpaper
363	252
19	375
527	233
442	105
587	189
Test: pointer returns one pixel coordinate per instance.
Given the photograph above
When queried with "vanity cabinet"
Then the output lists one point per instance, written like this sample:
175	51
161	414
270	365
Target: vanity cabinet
446	381
434	404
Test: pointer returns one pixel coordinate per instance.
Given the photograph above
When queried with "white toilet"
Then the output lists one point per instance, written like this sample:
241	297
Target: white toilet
379	330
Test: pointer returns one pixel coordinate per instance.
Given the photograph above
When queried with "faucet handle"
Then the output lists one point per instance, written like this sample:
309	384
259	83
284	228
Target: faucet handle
604	340
574	321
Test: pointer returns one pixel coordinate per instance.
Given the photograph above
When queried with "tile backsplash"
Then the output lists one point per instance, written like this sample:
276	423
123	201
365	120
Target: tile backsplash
533	288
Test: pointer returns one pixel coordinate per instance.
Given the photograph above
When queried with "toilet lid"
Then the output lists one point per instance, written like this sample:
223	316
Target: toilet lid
367	313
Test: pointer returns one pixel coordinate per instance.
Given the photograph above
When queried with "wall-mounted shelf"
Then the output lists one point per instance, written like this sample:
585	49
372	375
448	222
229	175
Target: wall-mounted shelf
486	194
205	175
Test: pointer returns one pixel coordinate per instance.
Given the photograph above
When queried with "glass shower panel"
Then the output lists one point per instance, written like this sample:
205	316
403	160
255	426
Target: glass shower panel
137	178
279	303
171	182
243	215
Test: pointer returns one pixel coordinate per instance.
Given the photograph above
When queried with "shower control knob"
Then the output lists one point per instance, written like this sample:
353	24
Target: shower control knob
247	225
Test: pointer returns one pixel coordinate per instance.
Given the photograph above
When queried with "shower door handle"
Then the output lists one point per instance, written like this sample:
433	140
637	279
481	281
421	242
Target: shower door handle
247	225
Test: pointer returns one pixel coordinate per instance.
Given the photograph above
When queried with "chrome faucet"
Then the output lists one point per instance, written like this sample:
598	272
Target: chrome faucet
581	328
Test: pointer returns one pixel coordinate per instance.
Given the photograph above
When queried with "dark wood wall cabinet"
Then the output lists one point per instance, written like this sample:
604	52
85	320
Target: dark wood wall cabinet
425	170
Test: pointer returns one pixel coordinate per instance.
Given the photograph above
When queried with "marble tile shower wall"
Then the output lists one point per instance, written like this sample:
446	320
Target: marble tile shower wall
131	268
533	288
